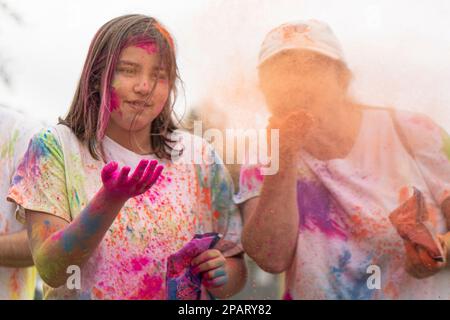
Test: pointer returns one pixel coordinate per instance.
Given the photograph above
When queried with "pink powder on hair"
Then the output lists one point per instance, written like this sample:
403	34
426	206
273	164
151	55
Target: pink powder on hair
149	46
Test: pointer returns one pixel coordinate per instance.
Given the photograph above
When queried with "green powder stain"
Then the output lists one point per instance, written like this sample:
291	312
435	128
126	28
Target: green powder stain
446	145
7	149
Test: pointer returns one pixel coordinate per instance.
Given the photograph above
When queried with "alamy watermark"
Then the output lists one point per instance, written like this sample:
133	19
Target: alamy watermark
238	146
374	280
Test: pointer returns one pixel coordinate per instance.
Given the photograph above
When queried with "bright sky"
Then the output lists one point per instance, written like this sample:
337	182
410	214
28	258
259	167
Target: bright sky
399	50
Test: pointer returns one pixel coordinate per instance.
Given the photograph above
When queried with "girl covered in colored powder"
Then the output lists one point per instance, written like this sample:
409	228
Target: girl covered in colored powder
345	171
101	230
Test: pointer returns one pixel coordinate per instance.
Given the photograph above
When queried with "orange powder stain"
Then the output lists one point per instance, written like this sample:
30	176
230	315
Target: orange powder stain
403	194
16	195
97	293
14	285
361	229
391	290
433	216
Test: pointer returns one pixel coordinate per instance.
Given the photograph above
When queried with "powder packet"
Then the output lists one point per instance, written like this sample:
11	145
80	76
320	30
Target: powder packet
411	222
181	282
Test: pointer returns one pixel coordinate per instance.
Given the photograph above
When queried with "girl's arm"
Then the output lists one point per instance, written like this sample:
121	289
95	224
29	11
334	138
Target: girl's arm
56	244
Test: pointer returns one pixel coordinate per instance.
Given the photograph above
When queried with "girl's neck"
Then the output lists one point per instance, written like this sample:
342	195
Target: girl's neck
135	141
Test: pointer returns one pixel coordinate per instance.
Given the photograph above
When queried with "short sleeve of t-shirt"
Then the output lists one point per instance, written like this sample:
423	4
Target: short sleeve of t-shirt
430	145
39	182
250	183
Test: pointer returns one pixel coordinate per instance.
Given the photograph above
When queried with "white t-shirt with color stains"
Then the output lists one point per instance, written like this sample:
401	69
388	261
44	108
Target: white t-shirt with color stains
345	235
59	176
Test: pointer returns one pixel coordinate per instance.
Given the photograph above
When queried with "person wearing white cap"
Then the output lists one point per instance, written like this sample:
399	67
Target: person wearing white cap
345	168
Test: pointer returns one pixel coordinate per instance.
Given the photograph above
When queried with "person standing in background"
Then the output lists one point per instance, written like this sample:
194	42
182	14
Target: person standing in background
324	218
17	274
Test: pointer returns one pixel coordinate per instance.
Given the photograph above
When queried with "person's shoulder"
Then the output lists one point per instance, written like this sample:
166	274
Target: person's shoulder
47	137
407	119
421	131
416	120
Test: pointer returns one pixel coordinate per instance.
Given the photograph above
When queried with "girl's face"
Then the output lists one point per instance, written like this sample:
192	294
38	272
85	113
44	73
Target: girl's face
140	88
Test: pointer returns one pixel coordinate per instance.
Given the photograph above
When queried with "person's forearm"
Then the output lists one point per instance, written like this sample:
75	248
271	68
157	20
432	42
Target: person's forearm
74	244
270	235
14	250
236	272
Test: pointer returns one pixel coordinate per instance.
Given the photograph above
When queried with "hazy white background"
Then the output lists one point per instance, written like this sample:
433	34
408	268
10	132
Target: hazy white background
399	50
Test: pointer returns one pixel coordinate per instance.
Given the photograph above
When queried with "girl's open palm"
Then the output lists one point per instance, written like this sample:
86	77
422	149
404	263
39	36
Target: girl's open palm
119	184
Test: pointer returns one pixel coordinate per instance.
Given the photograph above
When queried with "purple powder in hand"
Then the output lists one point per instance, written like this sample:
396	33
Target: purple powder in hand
181	282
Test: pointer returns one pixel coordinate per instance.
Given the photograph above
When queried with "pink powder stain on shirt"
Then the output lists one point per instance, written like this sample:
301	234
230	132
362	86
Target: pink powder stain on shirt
248	176
138	263
423	122
151	285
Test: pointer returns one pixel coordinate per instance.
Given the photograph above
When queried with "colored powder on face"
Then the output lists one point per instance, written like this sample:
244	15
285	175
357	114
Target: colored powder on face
115	100
314	205
149	47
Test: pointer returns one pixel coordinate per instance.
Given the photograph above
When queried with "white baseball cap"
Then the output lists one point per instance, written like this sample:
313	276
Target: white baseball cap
311	35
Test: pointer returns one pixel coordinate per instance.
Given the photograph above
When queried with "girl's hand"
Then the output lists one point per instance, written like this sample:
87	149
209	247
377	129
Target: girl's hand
211	264
118	185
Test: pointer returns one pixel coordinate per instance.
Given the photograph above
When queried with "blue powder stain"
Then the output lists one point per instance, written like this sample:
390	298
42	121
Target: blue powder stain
90	224
17	179
39	148
69	241
219	273
77	199
354	285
